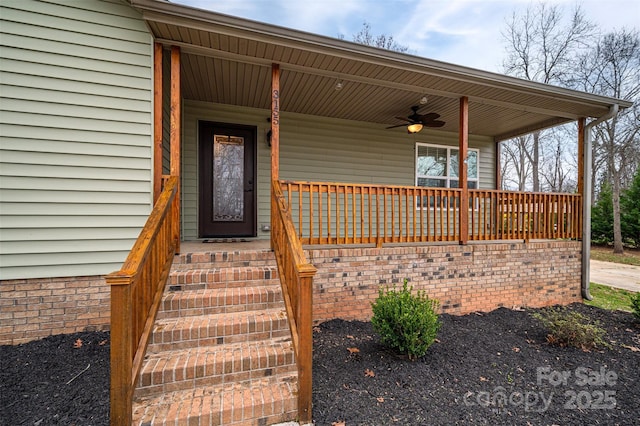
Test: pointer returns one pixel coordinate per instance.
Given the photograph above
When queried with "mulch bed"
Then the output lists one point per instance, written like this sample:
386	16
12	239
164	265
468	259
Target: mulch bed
59	380
482	370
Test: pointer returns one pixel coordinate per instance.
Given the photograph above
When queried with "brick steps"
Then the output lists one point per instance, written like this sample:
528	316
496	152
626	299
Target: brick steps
216	301
260	402
184	369
196	279
212	330
220	352
236	259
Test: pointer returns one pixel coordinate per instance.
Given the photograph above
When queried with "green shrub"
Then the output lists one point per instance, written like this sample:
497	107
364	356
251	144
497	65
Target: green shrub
635	305
406	323
571	328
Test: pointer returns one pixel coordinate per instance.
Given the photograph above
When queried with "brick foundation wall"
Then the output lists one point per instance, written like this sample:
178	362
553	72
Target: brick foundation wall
36	308
474	277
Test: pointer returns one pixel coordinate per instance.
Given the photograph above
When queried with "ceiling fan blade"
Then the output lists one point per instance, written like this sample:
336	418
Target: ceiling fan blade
397	125
434	123
431	116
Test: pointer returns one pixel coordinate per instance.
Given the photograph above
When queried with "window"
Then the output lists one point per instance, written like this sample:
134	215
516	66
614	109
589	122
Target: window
437	166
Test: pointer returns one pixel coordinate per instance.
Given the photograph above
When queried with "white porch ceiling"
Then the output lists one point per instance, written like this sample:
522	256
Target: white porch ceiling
228	60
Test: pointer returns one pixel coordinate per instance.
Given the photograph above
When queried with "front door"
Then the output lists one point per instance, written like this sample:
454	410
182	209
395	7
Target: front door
227	200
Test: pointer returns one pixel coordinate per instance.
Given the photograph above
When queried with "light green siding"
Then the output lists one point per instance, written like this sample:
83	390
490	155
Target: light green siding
318	149
76	136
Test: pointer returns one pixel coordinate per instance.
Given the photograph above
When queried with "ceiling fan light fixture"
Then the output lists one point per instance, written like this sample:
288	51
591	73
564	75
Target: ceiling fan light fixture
414	127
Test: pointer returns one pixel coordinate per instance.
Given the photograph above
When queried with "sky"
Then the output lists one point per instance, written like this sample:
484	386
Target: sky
463	32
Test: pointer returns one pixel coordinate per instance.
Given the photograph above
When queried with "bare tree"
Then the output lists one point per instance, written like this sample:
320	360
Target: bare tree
612	68
559	163
515	169
383	41
541	47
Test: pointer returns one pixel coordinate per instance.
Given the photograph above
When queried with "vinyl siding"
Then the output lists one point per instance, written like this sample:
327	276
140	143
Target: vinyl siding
76	136
318	149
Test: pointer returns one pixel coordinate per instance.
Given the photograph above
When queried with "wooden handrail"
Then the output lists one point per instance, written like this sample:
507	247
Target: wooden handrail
296	278
136	292
348	213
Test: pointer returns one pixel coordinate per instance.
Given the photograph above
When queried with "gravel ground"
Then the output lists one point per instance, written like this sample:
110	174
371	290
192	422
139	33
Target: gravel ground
493	368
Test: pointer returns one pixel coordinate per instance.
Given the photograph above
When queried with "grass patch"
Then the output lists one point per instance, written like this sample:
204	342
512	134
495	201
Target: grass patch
610	298
630	256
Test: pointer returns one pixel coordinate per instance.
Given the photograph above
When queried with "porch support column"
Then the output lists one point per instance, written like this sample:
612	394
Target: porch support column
175	130
580	188
463	148
586	199
275	121
275	136
157	121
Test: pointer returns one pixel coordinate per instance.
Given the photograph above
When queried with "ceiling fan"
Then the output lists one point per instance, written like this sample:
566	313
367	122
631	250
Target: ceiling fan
418	121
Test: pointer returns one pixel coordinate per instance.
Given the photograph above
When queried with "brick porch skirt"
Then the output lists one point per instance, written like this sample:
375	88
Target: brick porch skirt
36	308
474	277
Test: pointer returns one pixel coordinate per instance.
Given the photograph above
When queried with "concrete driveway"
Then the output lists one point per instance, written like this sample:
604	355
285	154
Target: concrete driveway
615	275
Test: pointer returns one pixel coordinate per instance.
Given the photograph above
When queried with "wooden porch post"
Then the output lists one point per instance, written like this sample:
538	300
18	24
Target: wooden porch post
157	121
581	122
275	135
176	130
463	145
121	354
305	343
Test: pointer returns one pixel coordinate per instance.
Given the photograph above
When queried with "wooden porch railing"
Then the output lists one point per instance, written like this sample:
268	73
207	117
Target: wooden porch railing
136	292
344	213
296	276
507	215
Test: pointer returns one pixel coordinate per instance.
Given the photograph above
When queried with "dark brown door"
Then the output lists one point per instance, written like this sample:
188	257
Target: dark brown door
227	180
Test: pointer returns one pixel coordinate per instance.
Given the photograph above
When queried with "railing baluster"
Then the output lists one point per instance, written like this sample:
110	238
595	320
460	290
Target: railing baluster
329	239
310	212
320	211
370	213
299	186
384	223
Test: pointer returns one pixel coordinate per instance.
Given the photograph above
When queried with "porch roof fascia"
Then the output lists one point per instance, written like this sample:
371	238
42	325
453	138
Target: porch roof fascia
189	17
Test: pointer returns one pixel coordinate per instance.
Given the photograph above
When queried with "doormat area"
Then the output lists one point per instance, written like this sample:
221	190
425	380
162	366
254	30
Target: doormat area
225	240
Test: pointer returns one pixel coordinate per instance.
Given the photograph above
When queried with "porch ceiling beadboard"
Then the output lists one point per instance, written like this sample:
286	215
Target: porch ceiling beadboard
227	60
75	125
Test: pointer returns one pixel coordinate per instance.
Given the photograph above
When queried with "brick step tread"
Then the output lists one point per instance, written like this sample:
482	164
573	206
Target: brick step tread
219	277
258	402
206	330
219	300
224	258
231	363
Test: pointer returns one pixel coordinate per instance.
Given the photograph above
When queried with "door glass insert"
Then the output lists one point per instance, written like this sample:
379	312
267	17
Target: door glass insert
228	178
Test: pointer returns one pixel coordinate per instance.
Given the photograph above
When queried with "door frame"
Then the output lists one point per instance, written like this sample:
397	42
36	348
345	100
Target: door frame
251	215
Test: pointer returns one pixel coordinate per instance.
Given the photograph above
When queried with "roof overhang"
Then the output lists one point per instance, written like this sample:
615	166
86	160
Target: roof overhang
228	60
